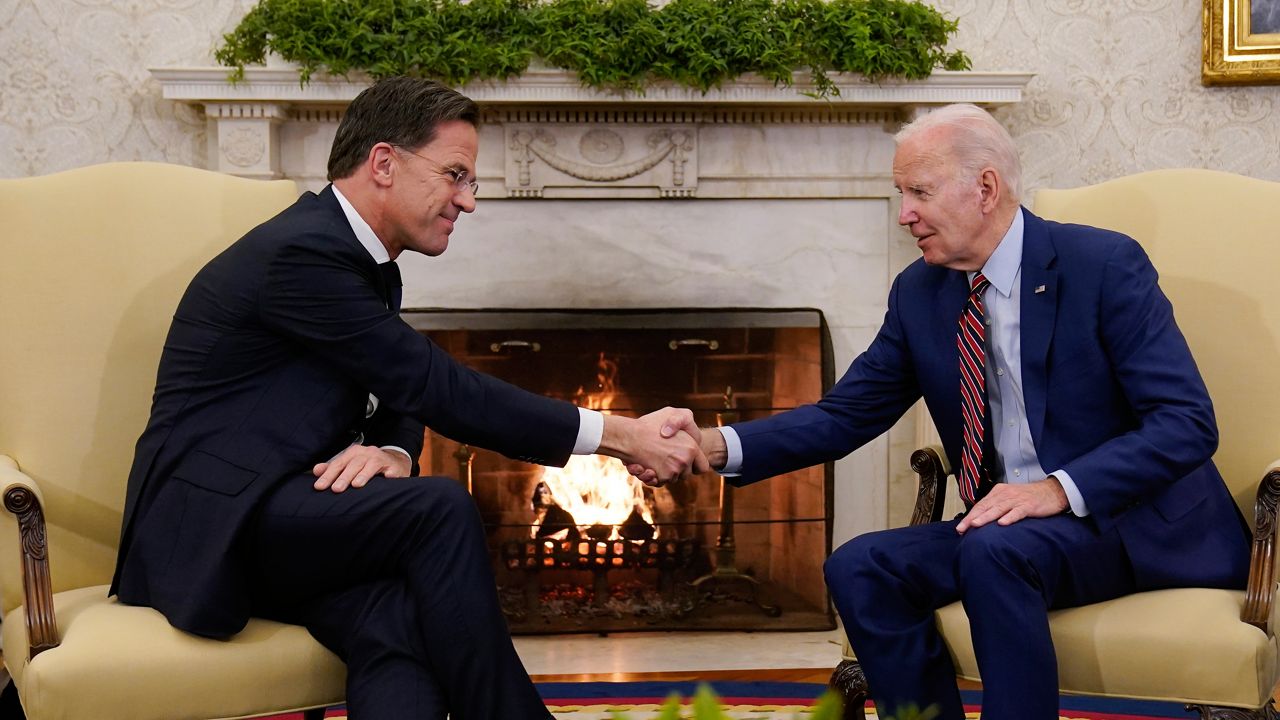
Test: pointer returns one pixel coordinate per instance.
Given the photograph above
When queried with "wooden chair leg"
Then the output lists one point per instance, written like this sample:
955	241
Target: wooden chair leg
1213	712
849	681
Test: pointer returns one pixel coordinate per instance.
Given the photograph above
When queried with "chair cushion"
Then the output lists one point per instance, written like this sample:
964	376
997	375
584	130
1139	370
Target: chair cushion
1183	645
154	671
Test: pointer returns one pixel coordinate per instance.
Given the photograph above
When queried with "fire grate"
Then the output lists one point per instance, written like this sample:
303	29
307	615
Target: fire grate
587	554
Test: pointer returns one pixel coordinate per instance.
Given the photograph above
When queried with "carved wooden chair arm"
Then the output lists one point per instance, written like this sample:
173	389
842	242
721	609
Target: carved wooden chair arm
22	498
930	463
1260	593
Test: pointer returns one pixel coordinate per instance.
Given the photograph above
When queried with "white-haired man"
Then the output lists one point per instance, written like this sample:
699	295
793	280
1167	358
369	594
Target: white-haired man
1065	394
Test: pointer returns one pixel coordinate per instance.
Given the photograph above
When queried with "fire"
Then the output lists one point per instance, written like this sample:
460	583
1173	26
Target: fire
596	491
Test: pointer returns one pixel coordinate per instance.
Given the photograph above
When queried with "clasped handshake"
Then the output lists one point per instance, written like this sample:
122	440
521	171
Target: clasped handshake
661	447
658	448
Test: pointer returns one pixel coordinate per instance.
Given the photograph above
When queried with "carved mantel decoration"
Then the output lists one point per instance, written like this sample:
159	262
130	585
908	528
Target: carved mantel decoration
560	139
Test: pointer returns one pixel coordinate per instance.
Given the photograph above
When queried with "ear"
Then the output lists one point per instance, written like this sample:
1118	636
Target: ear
990	188
382	164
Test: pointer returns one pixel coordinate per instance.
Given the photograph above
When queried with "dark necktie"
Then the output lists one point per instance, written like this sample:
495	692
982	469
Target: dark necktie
391	280
972	343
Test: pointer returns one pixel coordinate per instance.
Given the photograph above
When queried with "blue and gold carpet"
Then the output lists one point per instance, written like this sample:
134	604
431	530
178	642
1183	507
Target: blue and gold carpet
780	700
775	701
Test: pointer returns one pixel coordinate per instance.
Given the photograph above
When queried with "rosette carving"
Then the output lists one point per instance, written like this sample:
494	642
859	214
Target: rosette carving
244	147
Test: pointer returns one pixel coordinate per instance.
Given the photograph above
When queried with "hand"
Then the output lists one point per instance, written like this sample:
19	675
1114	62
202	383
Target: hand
354	467
710	441
1007	503
642	442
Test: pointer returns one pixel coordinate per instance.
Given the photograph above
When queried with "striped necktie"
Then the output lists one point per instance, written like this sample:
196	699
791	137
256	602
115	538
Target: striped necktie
972	344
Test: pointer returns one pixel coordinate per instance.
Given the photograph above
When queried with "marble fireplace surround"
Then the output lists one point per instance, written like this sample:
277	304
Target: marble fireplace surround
748	196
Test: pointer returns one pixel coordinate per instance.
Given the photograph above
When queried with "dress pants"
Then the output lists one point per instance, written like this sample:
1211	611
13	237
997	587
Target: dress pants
395	579
886	586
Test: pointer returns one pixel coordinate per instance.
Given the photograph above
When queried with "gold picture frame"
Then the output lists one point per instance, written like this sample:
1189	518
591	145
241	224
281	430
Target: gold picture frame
1241	42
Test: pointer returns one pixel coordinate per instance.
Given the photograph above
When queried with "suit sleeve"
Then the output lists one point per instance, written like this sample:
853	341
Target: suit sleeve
874	392
1174	430
388	427
328	302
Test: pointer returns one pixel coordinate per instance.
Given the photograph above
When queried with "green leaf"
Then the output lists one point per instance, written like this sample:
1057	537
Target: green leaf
706	706
611	44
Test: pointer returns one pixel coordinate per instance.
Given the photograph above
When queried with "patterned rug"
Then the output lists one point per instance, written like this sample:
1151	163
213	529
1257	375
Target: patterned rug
774	701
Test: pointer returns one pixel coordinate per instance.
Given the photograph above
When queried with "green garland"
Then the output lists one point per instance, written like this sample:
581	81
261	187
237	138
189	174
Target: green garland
611	44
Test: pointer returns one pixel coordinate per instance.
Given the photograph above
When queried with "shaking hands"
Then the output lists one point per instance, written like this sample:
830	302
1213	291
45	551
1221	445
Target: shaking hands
657	448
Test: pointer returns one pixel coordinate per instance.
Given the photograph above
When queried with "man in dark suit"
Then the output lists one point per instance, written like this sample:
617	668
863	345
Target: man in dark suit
274	476
1070	403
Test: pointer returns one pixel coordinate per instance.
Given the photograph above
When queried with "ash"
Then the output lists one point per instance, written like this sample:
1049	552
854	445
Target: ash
633	600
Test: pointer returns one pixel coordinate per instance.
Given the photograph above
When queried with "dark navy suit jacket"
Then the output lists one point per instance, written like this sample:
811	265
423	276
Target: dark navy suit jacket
1112	394
266	371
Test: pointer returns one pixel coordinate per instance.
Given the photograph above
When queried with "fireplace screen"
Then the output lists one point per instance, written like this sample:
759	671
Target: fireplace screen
587	547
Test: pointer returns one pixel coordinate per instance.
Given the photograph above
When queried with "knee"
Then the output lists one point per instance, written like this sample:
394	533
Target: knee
436	500
852	563
442	492
989	550
845	558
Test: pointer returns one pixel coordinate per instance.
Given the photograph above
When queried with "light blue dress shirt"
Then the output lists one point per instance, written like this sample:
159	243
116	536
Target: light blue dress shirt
1016	460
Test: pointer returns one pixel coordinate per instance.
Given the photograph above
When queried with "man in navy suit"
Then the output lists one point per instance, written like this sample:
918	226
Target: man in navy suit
1090	452
274	475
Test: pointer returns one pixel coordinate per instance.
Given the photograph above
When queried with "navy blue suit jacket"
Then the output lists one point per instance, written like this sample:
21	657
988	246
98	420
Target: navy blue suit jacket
1112	393
266	371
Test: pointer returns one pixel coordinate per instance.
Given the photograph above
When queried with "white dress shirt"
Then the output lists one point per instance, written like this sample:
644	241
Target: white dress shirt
1016	460
590	422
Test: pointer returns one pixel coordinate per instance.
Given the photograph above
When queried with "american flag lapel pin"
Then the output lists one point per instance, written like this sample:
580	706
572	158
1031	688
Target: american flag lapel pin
1039	289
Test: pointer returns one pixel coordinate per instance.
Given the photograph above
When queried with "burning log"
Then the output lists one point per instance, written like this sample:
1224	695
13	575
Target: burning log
635	527
549	518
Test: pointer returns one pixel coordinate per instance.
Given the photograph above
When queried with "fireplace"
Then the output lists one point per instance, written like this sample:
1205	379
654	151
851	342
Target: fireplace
780	201
589	548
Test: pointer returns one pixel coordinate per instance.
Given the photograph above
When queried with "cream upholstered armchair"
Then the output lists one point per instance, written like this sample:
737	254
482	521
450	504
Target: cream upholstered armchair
1213	238
91	268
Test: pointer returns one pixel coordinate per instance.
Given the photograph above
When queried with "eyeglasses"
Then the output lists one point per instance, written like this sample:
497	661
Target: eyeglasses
460	178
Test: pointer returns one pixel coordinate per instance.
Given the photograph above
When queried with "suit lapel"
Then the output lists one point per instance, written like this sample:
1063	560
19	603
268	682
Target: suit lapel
1039	297
338	220
952	295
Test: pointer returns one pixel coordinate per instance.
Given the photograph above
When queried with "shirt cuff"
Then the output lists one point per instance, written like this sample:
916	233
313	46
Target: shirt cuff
590	432
398	449
733	448
1078	508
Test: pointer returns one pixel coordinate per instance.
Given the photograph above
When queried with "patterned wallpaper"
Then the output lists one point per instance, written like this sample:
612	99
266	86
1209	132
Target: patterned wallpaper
1117	87
1117	90
74	86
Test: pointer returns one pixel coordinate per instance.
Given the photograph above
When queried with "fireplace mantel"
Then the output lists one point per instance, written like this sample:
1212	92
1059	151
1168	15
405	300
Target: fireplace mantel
246	117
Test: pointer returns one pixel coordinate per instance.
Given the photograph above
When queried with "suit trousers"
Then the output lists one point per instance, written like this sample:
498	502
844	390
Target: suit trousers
395	579
886	586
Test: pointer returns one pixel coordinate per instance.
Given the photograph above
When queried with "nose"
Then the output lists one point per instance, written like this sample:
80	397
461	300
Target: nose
465	200
907	212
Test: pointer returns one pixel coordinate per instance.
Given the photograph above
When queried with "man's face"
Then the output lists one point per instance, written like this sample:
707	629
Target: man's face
941	207
427	201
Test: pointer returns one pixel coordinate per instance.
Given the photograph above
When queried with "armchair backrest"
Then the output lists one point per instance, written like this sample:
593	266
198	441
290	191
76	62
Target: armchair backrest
92	264
1215	239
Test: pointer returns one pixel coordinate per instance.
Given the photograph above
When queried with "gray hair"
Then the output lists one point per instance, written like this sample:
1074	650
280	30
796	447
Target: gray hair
978	141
